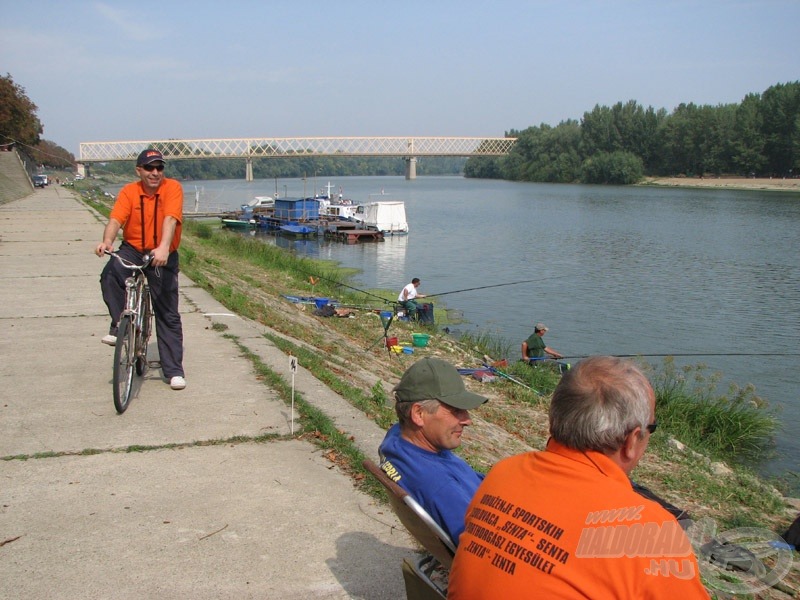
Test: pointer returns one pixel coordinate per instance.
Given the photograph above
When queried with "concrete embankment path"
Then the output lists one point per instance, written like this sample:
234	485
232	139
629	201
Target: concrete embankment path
81	519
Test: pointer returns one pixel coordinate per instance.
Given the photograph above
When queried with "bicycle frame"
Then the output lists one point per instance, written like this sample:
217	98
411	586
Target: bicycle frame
136	291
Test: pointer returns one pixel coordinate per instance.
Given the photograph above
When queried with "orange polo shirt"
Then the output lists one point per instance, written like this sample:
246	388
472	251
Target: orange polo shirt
142	216
568	524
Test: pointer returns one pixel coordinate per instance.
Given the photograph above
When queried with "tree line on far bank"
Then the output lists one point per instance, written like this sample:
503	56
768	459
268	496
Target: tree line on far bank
758	137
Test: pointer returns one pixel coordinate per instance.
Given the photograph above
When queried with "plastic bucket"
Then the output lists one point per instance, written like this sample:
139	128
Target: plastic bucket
320	302
392	341
420	340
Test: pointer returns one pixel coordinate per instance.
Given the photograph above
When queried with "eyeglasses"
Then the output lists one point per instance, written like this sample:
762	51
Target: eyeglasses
150	168
652	426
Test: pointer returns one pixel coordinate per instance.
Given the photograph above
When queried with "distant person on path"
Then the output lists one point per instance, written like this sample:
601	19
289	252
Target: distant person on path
432	407
407	298
149	212
566	522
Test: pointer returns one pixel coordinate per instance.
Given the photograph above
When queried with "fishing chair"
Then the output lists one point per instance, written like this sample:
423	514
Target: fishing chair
426	579
402	305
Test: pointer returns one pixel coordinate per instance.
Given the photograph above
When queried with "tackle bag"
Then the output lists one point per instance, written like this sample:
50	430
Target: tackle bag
425	313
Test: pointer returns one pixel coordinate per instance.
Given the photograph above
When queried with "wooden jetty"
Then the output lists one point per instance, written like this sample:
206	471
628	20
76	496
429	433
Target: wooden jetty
350	233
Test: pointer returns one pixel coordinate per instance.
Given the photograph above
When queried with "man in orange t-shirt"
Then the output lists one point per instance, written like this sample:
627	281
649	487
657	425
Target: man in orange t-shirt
566	522
149	212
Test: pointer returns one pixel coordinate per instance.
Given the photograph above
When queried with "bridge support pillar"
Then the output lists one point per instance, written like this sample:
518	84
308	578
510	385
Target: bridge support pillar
248	169
81	169
411	167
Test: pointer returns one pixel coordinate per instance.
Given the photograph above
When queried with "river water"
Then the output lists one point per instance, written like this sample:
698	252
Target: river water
616	270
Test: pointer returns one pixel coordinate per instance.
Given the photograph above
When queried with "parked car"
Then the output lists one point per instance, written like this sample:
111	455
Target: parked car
39	181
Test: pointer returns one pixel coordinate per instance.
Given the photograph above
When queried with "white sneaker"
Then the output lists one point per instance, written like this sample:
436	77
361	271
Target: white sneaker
109	339
177	383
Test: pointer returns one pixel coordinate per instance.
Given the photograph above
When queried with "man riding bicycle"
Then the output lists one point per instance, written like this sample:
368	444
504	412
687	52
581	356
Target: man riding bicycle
149	212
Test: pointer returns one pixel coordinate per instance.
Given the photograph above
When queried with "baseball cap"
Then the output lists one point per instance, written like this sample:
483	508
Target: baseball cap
540	327
148	156
433	378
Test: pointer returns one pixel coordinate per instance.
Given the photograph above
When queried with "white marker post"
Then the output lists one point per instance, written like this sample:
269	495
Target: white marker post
293	366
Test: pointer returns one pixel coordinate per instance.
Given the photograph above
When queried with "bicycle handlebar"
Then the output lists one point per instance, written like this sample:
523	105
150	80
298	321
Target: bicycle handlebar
129	265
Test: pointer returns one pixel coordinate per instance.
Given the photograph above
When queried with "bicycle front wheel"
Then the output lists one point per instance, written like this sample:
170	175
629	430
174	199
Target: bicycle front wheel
144	333
124	360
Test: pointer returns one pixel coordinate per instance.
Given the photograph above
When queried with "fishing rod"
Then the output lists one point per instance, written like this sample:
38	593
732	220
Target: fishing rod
505	375
483	287
679	354
317	276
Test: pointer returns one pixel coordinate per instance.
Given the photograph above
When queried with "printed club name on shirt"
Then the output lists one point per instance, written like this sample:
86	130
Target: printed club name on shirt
520	525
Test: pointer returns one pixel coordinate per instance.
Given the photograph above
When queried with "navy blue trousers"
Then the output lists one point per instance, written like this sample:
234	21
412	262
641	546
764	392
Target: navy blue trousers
163	282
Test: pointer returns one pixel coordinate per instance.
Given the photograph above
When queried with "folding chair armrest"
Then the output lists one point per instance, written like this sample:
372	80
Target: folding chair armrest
415	518
428	520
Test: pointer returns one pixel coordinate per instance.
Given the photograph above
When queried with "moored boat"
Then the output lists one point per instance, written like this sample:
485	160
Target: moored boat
388	217
291	210
239	223
300	230
259	204
336	210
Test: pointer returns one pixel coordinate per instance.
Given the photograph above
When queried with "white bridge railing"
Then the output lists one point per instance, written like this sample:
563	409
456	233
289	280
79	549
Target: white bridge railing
248	148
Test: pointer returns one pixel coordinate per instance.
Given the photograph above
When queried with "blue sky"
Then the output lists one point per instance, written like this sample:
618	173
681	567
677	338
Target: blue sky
115	71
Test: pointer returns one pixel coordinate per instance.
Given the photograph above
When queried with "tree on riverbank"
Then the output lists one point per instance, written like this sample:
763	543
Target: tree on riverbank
18	120
758	137
20	125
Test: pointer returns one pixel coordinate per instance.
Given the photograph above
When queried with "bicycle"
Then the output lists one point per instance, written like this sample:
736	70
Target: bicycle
133	332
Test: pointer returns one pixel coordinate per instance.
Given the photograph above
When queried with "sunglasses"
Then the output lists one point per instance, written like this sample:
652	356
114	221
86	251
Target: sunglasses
150	168
652	426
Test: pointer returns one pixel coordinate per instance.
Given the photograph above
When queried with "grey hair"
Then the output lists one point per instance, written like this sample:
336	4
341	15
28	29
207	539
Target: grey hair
403	409
598	403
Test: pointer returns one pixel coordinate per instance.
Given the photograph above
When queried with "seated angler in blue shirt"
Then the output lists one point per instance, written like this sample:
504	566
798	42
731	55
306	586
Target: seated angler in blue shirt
432	407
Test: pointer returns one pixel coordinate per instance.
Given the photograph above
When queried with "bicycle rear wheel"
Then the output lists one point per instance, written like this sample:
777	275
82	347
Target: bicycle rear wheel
124	359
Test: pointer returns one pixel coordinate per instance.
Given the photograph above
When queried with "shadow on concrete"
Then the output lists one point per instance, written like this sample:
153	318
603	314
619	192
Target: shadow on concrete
360	557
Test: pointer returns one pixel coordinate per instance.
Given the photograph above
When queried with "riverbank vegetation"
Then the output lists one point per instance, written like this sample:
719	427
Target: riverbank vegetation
263	269
705	474
347	354
758	137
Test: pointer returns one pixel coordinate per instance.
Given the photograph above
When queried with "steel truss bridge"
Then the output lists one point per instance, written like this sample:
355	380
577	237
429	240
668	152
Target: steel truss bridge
409	148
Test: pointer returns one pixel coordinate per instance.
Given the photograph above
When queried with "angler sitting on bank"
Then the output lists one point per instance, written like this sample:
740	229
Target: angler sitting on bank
535	350
534	347
407	298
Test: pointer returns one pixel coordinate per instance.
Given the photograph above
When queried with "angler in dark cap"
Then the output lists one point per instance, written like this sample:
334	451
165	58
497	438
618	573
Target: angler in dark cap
432	407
